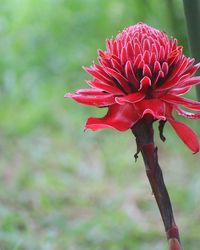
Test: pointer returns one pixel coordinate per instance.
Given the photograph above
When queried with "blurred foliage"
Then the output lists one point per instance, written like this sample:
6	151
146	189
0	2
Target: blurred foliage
61	188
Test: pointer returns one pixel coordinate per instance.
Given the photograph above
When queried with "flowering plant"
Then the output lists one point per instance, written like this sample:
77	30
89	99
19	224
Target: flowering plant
142	72
141	78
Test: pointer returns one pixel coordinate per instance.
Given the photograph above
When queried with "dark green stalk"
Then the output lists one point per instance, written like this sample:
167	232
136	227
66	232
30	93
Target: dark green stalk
143	131
192	14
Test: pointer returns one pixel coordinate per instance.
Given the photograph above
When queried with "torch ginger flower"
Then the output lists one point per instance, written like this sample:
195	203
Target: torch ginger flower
142	72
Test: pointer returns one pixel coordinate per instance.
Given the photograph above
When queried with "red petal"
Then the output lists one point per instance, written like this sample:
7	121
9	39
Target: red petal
155	107
120	117
105	87
182	101
174	55
147	71
179	68
168	84
129	51
114	47
146	45
101	53
179	91
116	65
137	61
123	55
154	50
104	62
153	58
193	69
122	81
119	47
132	98
187	114
158	77
141	64
165	68
90	92
158	48
191	81
98	101
157	66
174	44
108	45
186	134
131	75
146	56
145	83
162	53
98	75
101	70
137	49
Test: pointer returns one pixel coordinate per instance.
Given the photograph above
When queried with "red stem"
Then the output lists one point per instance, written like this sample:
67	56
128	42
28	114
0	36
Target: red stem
143	132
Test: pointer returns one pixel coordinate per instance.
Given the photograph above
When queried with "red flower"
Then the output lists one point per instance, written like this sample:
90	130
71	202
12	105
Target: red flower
141	72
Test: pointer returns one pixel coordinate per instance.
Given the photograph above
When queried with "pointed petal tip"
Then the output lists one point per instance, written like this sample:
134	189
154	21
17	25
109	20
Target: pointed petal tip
87	69
197	65
68	95
195	152
186	134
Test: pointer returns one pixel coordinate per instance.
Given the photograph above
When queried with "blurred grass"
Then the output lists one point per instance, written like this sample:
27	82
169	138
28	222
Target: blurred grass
61	188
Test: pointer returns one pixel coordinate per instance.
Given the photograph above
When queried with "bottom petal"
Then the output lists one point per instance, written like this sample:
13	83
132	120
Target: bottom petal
186	134
120	117
155	107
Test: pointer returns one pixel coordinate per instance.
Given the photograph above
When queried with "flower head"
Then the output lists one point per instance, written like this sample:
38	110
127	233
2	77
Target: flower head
141	72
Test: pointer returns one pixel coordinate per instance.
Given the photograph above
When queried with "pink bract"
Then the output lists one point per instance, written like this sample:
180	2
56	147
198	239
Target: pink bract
141	72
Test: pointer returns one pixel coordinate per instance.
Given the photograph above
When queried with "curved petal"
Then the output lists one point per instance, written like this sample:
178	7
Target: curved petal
98	75
180	67
191	81
90	92
181	81
98	101
182	101
132	98
171	83
130	74
116	65
168	84
145	83
159	76
106	87
186	134
120	78
155	107
179	91
191	71
146	70
120	117
129	51
187	114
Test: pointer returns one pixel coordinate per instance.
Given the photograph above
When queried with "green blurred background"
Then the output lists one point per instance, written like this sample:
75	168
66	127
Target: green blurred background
60	188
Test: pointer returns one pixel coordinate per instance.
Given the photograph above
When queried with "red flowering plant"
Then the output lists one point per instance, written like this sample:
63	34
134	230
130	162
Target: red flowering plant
141	78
